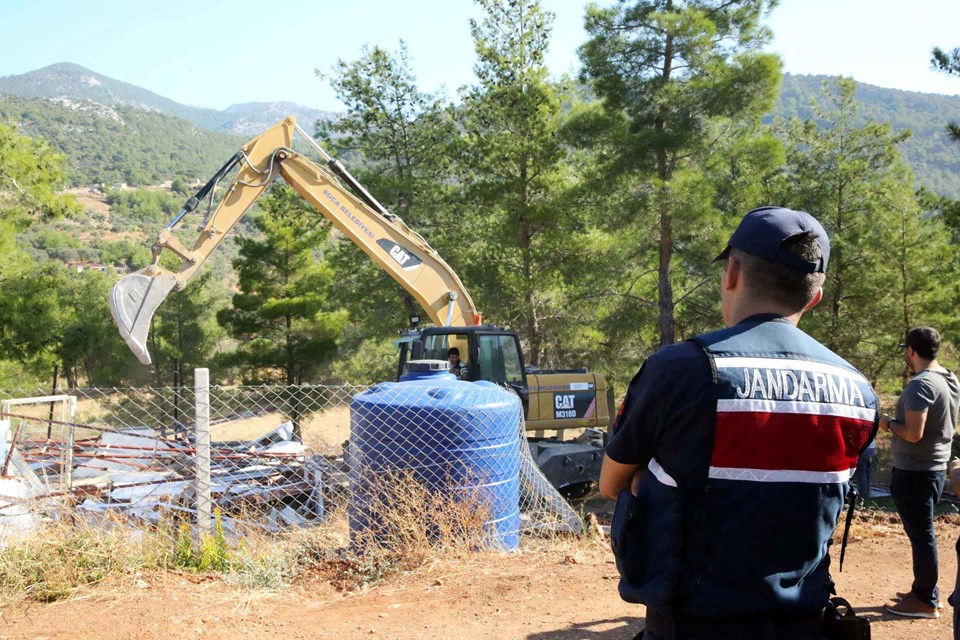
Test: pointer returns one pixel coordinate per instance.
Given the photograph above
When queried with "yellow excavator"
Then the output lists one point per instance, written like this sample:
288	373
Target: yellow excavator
556	401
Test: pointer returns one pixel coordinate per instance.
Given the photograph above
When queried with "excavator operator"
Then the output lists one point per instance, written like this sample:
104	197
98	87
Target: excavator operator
457	366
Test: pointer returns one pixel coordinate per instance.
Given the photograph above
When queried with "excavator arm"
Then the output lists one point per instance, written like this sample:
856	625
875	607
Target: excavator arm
399	250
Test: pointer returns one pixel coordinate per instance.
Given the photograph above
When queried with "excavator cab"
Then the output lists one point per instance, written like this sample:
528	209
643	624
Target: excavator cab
561	402
491	353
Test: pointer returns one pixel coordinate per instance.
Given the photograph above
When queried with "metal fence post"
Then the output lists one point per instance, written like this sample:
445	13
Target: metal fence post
66	479
202	445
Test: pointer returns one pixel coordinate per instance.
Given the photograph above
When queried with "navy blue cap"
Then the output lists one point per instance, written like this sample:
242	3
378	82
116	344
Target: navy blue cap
763	231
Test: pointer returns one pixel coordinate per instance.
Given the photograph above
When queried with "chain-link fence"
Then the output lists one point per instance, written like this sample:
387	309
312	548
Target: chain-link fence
273	457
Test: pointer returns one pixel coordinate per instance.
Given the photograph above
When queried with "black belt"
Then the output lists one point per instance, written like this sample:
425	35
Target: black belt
760	628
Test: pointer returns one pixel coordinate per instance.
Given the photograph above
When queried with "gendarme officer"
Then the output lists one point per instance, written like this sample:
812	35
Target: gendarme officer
739	446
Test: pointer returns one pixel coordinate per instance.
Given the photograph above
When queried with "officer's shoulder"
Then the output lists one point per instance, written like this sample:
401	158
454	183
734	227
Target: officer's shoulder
679	366
674	353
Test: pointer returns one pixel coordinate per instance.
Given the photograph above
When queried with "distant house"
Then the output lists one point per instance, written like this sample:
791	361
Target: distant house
118	186
81	265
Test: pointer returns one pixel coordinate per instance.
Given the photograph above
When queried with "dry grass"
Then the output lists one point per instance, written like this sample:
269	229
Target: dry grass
63	556
327	429
413	527
593	546
406	524
91	201
877	523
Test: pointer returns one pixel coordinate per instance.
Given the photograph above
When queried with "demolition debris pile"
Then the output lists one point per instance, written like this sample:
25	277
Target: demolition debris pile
278	457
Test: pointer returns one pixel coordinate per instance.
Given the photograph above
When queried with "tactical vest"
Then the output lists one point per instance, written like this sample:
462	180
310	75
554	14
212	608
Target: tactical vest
752	541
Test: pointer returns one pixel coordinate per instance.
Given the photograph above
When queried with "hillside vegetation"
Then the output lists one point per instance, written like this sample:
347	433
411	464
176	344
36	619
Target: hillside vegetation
929	152
113	131
105	144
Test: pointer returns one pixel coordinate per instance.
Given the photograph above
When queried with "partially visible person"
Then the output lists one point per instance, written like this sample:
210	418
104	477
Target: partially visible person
733	453
457	366
861	477
922	431
954	472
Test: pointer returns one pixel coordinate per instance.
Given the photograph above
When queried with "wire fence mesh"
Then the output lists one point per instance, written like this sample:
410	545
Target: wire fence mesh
279	457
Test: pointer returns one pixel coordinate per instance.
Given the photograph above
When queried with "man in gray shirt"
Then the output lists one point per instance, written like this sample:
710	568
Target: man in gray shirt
921	436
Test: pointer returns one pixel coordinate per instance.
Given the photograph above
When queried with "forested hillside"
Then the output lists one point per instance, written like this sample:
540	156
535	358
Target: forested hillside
77	109
108	144
929	152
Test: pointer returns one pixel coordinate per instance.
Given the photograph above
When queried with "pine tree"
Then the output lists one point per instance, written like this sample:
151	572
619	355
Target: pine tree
948	62
520	234
881	276
53	316
395	137
280	315
668	71
30	176
184	330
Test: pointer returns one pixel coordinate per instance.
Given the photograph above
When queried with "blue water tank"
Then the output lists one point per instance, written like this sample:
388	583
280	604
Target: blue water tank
454	437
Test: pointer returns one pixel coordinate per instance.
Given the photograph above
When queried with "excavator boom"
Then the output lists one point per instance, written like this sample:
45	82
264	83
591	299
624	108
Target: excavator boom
399	251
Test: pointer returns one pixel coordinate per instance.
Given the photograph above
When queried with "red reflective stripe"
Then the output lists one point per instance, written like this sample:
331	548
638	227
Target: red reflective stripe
801	442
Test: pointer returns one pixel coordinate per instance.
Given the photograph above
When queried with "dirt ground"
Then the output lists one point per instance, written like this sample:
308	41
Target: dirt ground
549	591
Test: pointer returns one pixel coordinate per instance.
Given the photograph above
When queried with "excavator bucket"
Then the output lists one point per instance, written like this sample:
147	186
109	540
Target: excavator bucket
133	301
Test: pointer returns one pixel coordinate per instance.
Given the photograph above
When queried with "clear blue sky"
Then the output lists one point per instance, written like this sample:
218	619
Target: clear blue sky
212	53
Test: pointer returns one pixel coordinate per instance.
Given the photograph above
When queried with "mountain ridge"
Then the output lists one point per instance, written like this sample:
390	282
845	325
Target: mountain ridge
75	82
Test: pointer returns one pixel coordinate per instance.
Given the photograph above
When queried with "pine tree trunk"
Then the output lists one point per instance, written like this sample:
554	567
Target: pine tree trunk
664	282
